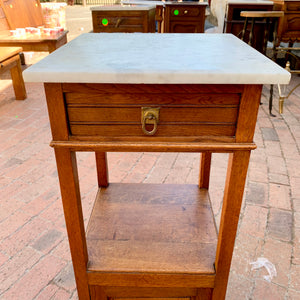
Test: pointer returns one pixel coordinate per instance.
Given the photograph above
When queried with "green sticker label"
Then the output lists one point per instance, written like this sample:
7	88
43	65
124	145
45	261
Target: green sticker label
104	22
176	12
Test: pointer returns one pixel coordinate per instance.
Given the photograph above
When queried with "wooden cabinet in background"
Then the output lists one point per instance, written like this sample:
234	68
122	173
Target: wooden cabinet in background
184	17
289	26
118	18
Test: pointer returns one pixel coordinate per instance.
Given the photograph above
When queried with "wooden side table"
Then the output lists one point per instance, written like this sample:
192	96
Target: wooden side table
148	240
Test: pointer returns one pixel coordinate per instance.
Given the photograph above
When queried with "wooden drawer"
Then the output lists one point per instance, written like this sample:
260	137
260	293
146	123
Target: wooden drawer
115	110
293	22
293	7
123	21
185	11
184	18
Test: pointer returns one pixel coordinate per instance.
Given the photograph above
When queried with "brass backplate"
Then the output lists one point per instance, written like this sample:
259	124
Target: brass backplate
150	115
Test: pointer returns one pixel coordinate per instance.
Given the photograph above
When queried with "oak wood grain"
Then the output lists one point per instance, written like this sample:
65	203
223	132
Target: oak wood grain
152	229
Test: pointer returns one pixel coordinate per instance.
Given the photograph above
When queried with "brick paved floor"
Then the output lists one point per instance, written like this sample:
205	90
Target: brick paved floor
34	255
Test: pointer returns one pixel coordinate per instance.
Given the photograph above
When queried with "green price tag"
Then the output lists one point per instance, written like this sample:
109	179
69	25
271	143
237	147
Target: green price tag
104	22
176	12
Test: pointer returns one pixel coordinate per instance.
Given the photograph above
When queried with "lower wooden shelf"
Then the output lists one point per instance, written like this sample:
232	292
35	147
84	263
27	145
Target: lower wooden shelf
143	235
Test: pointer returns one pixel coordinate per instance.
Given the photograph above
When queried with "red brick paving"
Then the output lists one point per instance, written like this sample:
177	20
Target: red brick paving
34	255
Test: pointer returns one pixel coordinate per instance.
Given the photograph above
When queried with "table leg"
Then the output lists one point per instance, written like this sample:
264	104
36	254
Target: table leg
69	186
17	80
233	196
102	169
205	163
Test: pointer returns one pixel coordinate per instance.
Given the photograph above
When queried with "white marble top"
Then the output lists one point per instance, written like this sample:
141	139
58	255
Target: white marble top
256	2
157	58
129	6
143	2
150	2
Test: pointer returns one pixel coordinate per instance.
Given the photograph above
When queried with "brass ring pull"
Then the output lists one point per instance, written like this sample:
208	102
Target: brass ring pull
118	23
150	116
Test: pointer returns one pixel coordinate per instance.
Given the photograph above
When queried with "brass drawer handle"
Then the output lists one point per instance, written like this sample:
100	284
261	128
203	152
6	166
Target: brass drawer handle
150	115
118	23
186	11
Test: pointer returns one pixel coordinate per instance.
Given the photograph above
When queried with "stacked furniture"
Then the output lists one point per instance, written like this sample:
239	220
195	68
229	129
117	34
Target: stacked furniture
26	13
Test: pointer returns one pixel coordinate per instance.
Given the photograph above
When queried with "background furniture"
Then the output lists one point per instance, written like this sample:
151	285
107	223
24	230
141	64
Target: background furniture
182	17
234	22
10	60
35	43
289	26
270	20
288	32
124	18
26	13
141	92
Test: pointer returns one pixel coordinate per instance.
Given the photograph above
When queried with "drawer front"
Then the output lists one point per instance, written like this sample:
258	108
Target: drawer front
293	7
293	22
185	11
116	113
186	27
118	22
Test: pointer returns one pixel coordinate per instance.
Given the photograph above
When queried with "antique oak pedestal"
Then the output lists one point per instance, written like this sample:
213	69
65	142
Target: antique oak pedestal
141	92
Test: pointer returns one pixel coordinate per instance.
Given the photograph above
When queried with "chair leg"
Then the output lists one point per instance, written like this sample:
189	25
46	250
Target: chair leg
251	32
244	29
271	100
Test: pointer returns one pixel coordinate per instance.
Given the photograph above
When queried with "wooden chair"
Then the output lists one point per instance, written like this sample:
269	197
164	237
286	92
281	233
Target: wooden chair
10	60
271	20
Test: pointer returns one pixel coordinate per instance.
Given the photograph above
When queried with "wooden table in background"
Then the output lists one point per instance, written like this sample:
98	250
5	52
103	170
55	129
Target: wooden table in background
43	42
26	13
10	60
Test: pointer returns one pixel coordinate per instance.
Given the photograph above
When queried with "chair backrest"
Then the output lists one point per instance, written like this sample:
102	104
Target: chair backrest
22	13
269	19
